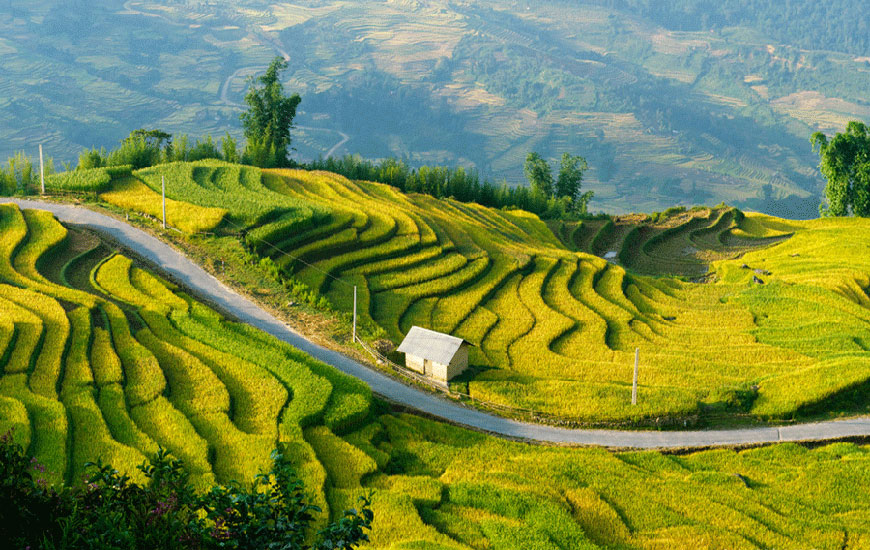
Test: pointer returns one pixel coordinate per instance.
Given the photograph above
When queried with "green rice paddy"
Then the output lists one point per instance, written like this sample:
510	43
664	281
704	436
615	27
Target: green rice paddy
115	363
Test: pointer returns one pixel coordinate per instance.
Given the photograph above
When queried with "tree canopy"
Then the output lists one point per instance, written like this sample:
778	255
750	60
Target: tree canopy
567	185
269	119
538	173
845	163
570	180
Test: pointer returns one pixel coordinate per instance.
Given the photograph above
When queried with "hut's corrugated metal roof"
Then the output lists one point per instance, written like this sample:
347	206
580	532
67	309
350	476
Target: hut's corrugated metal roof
431	345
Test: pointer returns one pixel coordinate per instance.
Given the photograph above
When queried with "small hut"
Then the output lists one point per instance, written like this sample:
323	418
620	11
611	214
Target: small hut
433	354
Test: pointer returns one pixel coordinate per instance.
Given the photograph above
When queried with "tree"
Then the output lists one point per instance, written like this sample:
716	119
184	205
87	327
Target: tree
140	149
228	148
154	138
269	118
570	180
845	163
539	174
110	511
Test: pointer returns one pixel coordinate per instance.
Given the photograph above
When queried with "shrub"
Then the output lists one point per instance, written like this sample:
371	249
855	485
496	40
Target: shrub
110	511
20	174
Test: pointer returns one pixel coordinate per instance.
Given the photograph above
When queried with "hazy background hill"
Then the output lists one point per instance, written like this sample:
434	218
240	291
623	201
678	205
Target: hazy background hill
693	102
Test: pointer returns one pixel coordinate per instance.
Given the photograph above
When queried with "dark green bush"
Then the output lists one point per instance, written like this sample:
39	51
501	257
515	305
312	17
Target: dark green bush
110	512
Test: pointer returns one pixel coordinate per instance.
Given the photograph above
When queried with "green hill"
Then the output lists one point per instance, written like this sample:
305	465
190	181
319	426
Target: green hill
555	327
103	359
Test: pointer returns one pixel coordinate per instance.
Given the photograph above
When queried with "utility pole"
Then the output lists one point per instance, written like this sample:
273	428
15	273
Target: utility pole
634	384
41	170
354	314
163	187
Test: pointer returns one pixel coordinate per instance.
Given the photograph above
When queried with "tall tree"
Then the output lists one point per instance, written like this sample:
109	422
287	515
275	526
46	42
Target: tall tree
845	163
153	138
539	174
570	180
269	118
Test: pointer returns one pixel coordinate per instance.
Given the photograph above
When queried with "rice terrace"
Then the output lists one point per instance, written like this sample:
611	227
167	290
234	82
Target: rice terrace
233	343
104	358
555	329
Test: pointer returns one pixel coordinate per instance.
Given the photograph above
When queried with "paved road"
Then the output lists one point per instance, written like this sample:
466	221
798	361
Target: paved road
191	275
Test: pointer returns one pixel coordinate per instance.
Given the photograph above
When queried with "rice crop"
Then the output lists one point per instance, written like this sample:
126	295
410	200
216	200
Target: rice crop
91	180
133	195
147	365
215	184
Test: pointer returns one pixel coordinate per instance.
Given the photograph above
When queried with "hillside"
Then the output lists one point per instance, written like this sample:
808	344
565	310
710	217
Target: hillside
104	359
701	102
555	327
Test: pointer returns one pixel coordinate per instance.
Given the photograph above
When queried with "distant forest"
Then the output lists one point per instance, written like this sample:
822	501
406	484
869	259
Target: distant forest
839	25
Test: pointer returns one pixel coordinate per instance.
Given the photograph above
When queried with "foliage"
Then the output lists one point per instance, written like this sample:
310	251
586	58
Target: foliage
144	148
829	26
229	151
566	190
110	511
92	158
21	174
539	174
269	118
183	151
845	163
137	151
570	180
26	500
456	183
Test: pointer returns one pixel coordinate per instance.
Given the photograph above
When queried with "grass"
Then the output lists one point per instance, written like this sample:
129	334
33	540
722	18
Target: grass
232	393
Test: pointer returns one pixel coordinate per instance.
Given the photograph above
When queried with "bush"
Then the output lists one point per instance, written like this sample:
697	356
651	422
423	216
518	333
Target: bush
21	174
135	151
92	158
109	511
27	504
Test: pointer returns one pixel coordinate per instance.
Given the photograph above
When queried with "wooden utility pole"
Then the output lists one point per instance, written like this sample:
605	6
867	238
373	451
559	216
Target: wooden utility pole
354	314
163	187
41	170
634	383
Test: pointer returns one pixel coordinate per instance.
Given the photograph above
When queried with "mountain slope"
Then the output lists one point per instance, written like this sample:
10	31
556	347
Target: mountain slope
555	329
721	112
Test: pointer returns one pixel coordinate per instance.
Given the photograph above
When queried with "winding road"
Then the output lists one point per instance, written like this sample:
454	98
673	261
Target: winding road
191	275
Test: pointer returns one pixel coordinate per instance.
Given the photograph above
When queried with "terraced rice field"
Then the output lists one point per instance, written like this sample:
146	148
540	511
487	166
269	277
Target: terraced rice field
554	325
100	358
